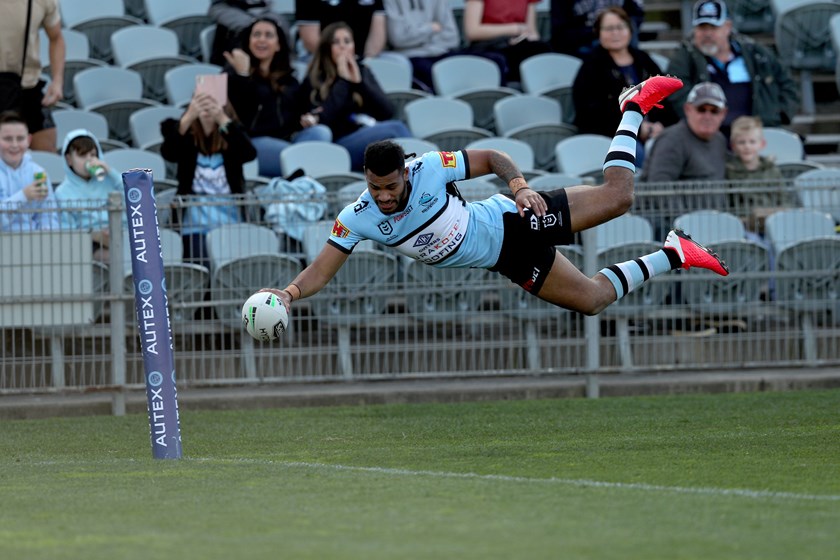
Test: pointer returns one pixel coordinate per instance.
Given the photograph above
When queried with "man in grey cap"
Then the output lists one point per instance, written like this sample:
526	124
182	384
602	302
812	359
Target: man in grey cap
753	79
694	149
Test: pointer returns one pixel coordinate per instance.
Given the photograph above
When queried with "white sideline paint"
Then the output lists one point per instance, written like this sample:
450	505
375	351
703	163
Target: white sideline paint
577	482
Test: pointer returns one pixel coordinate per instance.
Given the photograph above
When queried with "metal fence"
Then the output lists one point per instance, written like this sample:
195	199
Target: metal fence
68	319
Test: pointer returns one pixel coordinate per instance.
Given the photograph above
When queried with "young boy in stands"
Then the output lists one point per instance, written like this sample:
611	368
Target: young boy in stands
88	182
747	164
27	201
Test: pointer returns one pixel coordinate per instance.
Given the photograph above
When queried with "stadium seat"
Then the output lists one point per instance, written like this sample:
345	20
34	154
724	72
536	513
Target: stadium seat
445	122
416	145
98	20
552	181
145	125
70	119
473	79
711	226
534	119
803	41
783	145
583	155
77	58
551	75
390	74
52	163
751	16
186	17
114	92
819	189
131	158
180	81
151	51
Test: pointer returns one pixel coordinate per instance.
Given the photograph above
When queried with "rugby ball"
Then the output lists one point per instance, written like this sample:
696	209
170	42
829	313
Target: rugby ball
265	317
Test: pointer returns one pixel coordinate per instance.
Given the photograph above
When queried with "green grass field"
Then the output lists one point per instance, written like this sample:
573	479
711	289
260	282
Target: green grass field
703	477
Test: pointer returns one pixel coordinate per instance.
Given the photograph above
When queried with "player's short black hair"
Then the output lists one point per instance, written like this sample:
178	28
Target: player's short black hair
384	157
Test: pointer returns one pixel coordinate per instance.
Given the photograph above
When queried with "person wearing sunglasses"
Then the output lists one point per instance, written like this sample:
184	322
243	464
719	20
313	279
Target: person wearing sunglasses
694	149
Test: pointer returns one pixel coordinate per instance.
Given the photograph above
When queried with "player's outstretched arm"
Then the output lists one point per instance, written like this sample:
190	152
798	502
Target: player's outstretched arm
483	162
312	278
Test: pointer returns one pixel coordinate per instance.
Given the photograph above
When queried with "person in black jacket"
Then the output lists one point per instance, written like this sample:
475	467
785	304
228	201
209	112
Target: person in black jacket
345	96
611	67
210	147
265	94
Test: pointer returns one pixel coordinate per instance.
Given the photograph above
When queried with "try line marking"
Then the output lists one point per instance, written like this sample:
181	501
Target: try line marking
576	482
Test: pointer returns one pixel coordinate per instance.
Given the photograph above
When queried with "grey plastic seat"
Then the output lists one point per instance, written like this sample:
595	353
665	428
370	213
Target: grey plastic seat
473	79
534	119
76	45
145	125
551	75
819	189
803	41
98	20
445	122
390	74
751	16
477	189
52	163
399	98
151	51
416	145
113	92
788	227
186	17
552	181
783	145
130	158
520	152
317	159
582	155
70	119
180	81
711	226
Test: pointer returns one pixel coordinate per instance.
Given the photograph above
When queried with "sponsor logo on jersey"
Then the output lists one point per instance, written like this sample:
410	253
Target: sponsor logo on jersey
547	221
415	167
361	206
529	285
426	198
339	230
447	159
403	214
386	228
423	239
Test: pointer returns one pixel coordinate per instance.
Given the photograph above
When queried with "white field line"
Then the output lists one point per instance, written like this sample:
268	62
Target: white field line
576	482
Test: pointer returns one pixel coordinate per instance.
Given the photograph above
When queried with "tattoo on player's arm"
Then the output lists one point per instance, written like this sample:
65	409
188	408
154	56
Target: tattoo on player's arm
506	169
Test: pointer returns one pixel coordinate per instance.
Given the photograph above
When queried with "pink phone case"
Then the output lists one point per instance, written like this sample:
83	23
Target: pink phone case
214	84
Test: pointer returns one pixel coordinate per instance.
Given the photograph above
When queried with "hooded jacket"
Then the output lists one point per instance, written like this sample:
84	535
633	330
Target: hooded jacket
410	27
77	195
14	204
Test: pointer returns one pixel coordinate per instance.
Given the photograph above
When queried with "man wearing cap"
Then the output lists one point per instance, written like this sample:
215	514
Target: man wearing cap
694	149
751	76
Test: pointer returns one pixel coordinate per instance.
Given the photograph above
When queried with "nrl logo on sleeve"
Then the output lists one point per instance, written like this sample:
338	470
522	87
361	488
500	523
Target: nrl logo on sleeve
339	230
447	159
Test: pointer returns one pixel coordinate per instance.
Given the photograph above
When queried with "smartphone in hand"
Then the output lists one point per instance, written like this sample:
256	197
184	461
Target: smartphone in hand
213	84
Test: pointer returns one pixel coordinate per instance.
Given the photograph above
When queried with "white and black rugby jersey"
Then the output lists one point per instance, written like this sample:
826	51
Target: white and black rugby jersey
436	227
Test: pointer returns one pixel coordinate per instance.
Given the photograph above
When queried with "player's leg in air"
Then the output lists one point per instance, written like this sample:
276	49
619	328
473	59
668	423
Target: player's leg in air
589	206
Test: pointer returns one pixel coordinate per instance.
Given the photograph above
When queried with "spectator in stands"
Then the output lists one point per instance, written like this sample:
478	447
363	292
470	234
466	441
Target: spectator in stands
88	182
233	18
573	23
425	33
366	19
17	46
265	94
747	164
27	201
210	147
694	149
508	27
345	96
754	80
612	66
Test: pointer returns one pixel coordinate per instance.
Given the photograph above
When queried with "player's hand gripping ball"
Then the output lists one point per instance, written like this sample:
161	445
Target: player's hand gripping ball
265	317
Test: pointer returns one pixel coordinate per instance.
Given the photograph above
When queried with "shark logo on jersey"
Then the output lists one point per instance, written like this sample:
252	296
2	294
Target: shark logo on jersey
361	206
426	198
423	239
386	228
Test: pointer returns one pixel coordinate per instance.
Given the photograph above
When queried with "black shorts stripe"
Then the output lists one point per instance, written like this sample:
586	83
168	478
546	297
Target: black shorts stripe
617	271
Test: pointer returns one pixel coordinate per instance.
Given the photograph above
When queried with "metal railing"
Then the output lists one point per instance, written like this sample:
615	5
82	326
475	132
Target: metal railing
387	318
